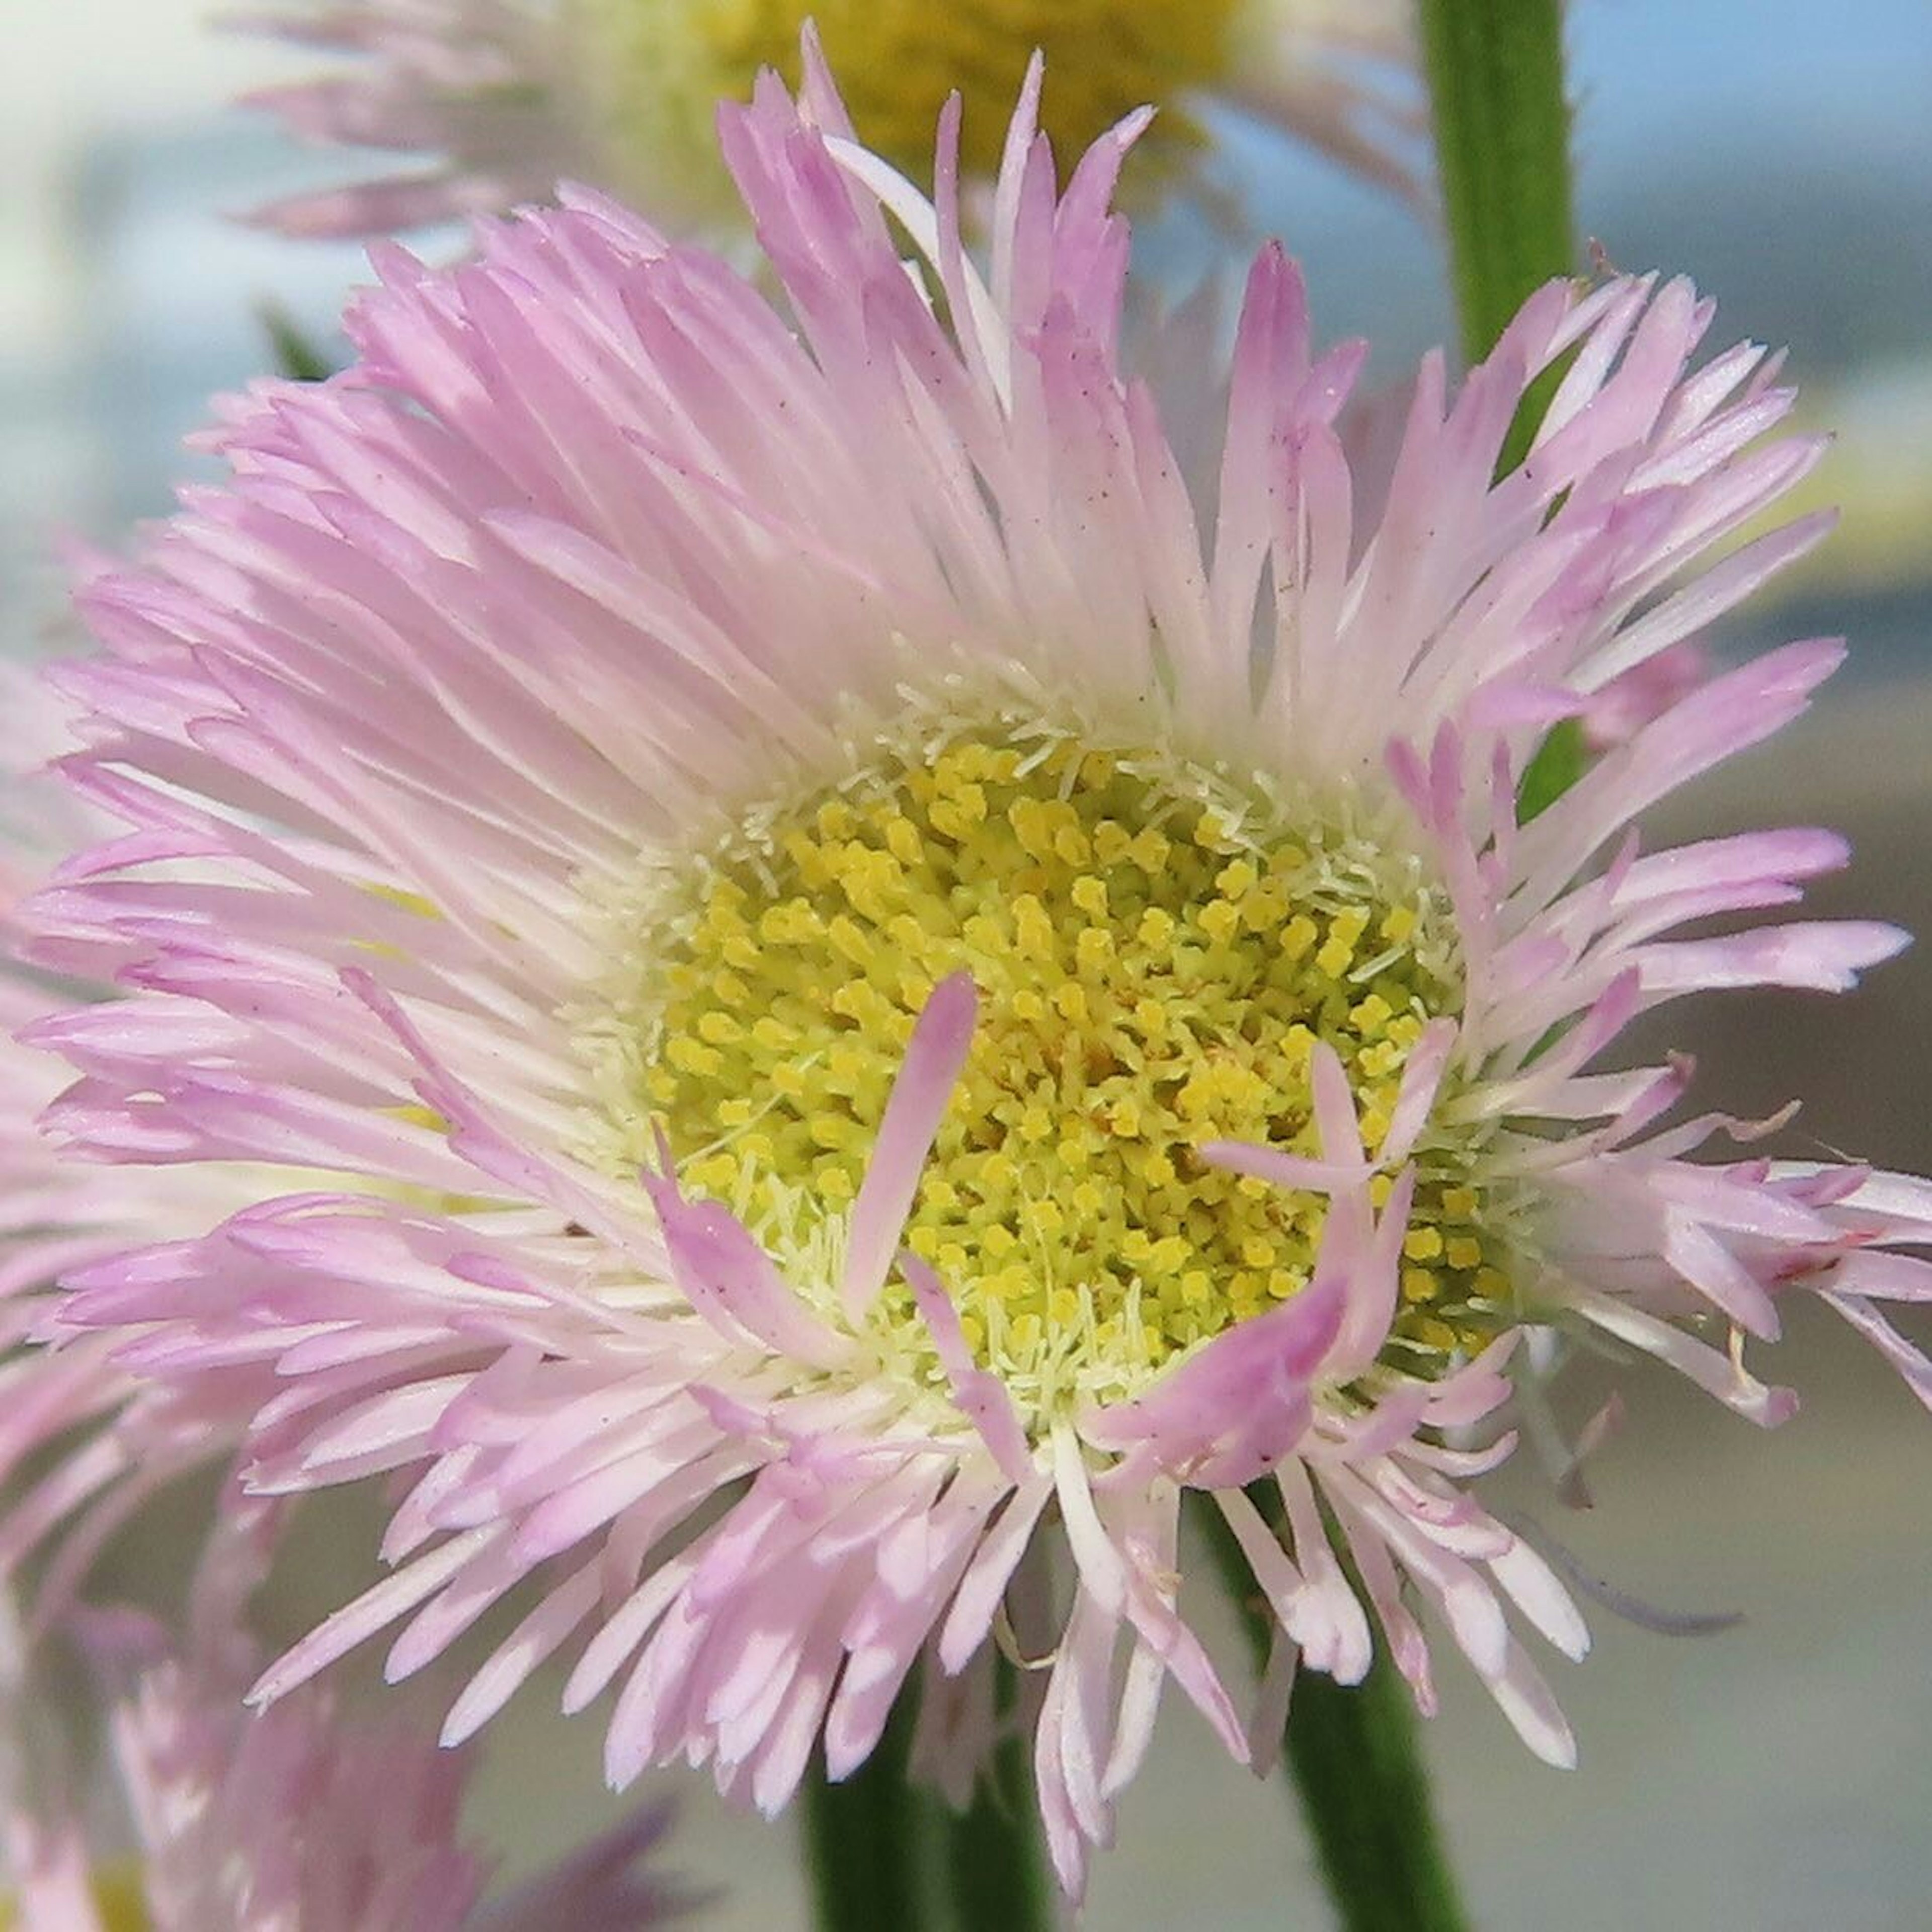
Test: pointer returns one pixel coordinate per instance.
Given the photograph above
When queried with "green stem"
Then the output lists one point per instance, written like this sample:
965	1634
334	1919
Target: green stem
296	357
1502	143
1502	150
864	1837
1365	1795
1352	1750
994	1858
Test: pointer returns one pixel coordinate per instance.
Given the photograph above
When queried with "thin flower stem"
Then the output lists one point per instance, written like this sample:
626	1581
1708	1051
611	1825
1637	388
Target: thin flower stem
995	1862
1502	149
1352	1751
864	1836
1502	143
1365	1794
296	355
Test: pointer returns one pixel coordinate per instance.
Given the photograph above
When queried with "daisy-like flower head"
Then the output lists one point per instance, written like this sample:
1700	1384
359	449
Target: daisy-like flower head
307	1818
909	992
510	96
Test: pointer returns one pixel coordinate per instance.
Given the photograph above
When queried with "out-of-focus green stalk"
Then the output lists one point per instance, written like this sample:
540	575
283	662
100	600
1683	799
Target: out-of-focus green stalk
1502	151
1352	1749
1357	1771
296	357
864	1836
996	1865
1502	146
1561	760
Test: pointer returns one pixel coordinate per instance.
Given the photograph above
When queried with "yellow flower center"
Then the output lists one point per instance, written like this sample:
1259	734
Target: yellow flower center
1157	950
659	67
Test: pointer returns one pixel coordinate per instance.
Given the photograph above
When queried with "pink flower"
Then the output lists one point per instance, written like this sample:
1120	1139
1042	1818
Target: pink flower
306	1817
503	98
895	994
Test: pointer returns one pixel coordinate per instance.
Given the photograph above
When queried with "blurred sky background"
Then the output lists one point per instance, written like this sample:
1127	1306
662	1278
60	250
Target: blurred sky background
1779	1776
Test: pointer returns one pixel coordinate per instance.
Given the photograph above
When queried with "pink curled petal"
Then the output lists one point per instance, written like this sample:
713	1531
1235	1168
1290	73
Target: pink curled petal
1716	1274
1230	1412
1865	1320
1335	1119
941	1038
733	1283
1884	1277
1450	1517
976	1600
378	1606
1884	1207
1328	1621
1820	955
1710	1368
1467	1395
980	1396
1284	1170
1536	1591
1654	1096
1527	1701
1372	1269
1102	1569
1462	1463
1468	1603
1743	1198
1421	1075
1388	1425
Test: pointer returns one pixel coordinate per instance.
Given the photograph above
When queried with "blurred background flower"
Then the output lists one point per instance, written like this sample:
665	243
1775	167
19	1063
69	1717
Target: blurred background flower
493	101
313	1817
1790	172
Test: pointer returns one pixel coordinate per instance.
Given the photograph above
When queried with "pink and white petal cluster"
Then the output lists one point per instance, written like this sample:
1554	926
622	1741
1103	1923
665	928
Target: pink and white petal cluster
311	1817
753	1562
1636	1237
592	546
1477	615
1744	1234
118	1441
1570	929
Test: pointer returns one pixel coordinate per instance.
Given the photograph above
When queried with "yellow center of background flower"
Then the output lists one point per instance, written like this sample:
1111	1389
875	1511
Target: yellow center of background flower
120	1899
660	65
1156	956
